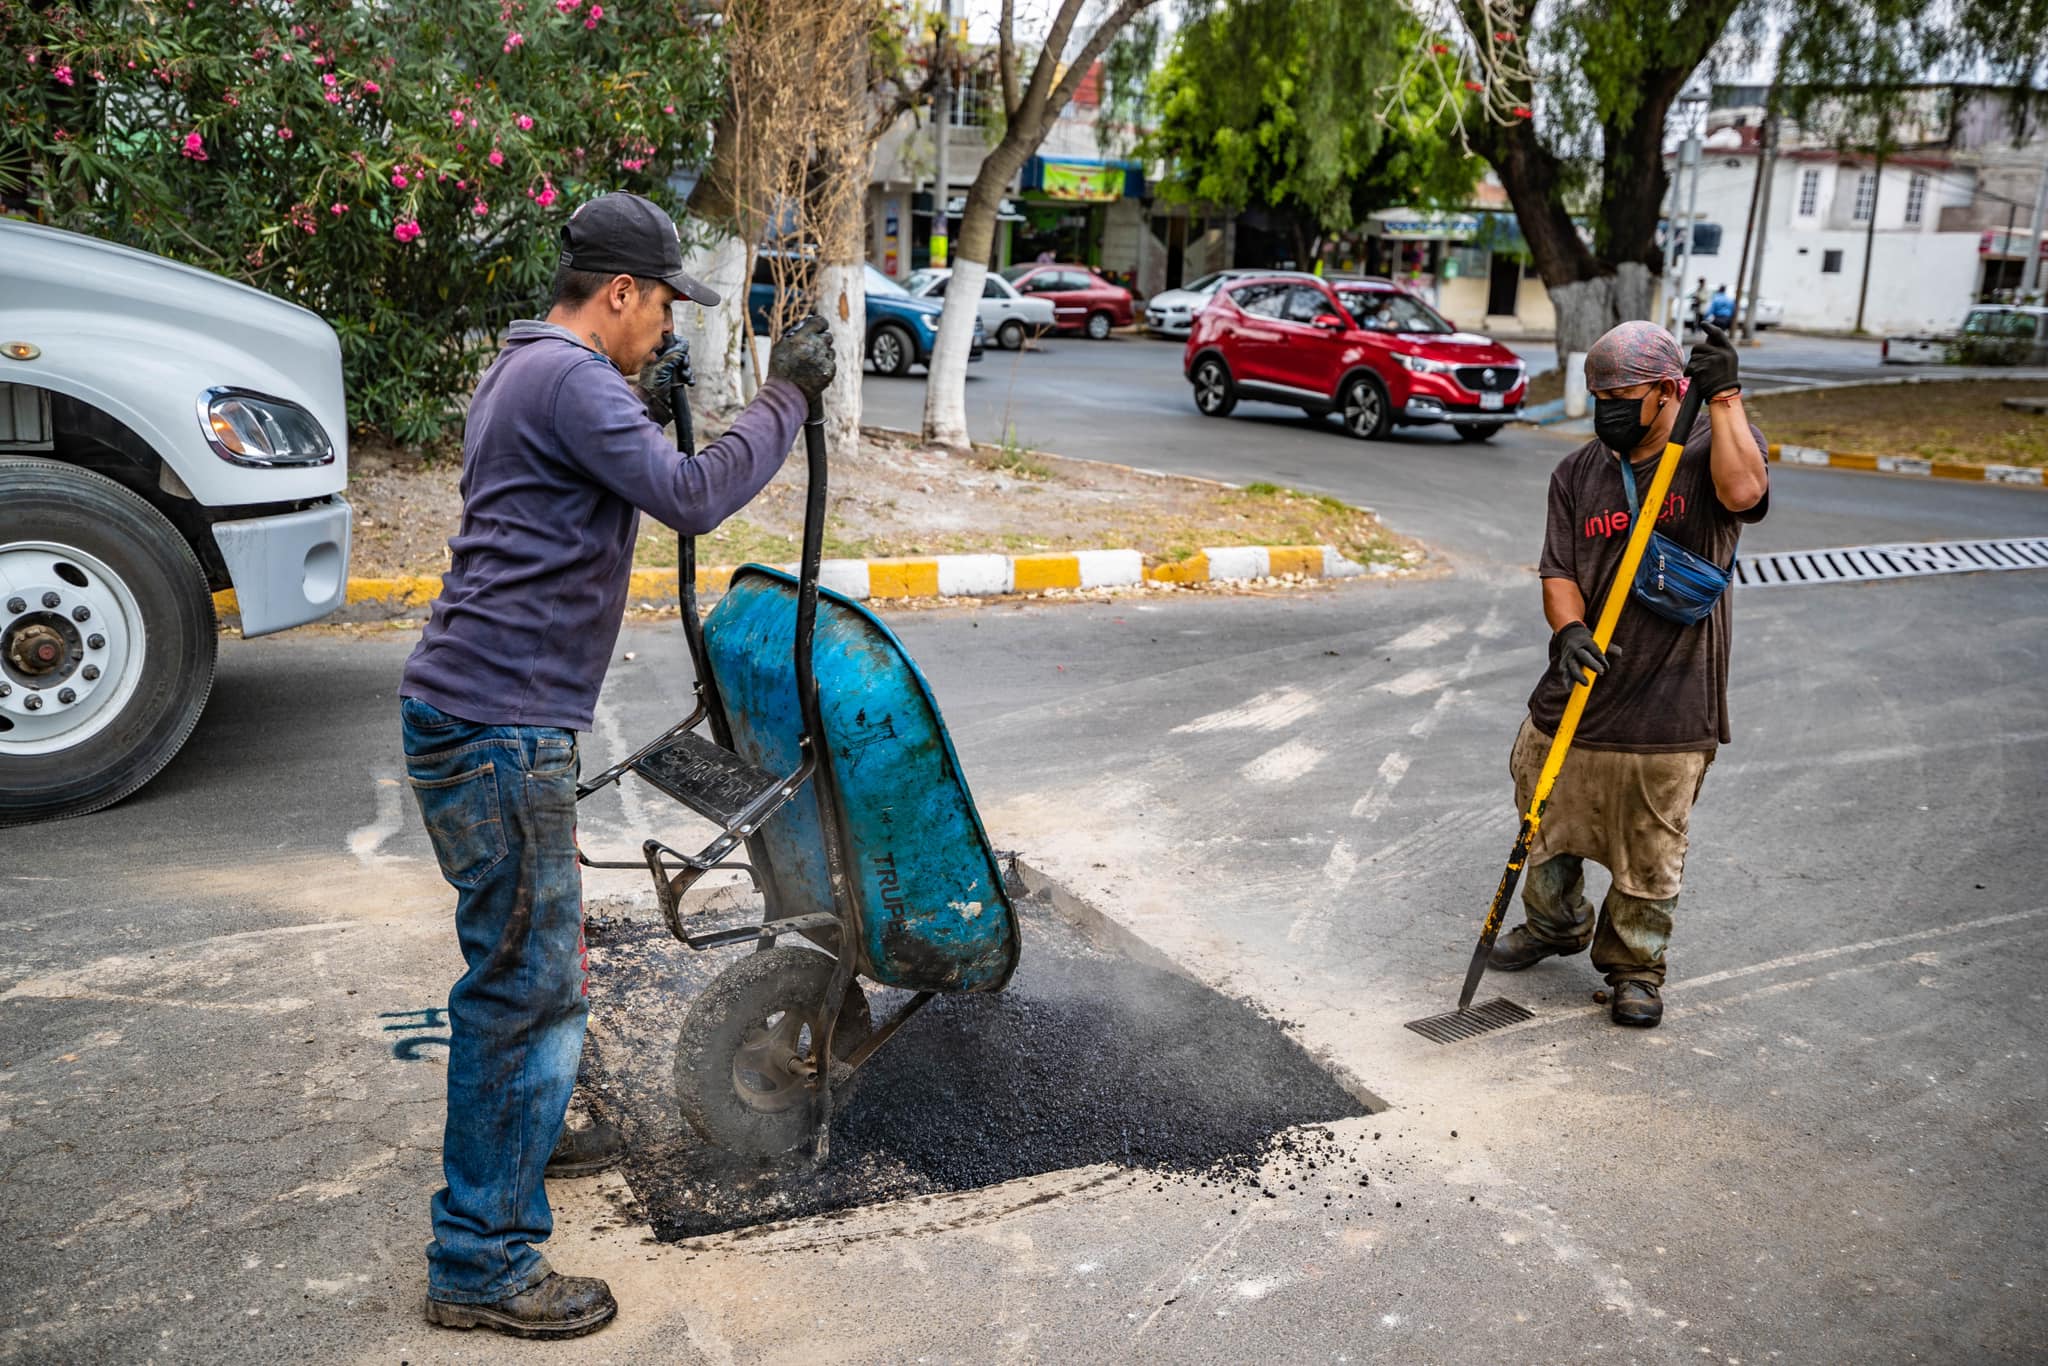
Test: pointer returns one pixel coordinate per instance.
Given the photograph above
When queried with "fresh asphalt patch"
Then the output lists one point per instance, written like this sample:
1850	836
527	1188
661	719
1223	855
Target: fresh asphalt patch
1087	1057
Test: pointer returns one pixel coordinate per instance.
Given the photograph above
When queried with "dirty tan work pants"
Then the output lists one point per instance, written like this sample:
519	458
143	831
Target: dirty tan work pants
1630	814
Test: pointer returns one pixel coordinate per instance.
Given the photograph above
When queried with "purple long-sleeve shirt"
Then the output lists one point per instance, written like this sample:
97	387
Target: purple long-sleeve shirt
559	459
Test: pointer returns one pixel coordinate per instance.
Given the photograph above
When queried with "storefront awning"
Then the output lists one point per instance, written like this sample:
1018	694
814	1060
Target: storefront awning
1083	179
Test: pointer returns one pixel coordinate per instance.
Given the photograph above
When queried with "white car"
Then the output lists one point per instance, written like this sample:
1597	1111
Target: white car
1171	312
1006	315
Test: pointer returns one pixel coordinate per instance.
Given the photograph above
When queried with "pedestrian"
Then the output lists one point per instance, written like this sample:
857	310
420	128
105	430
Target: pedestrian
560	456
1721	308
1697	311
1659	709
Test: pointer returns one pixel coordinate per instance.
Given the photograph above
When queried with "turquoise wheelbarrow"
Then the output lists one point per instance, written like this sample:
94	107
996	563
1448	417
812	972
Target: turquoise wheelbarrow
815	746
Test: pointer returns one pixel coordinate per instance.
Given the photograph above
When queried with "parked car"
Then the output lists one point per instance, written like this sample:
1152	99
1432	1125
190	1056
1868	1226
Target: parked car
1082	301
2010	334
1171	313
1005	314
1363	348
901	330
164	434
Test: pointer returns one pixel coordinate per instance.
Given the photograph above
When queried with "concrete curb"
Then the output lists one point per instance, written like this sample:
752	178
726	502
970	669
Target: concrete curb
941	576
2011	476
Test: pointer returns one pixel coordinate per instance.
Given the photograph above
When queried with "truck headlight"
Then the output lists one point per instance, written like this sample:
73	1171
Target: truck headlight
246	428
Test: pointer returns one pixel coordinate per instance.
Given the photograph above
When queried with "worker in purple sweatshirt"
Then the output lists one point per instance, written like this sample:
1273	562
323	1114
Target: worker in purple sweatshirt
560	456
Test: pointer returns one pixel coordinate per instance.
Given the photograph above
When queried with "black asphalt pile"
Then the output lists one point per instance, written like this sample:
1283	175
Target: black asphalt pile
1088	1057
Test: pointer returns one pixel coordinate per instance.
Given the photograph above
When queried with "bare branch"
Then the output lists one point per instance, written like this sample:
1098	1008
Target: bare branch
1006	57
1098	42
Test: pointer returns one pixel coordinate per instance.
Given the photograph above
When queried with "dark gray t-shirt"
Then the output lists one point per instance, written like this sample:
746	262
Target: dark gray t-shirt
558	460
1668	689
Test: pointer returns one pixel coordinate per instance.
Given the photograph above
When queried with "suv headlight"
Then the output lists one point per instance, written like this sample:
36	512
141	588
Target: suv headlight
928	321
1422	365
247	428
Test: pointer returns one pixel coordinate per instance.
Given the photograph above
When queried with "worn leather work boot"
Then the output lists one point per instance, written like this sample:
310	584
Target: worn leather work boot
1636	1003
558	1307
1518	949
587	1151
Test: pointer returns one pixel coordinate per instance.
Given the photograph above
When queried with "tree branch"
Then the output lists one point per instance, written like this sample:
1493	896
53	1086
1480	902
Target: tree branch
1006	57
1077	70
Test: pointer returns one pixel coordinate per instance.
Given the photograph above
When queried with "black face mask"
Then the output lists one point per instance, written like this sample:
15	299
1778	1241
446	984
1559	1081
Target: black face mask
1618	422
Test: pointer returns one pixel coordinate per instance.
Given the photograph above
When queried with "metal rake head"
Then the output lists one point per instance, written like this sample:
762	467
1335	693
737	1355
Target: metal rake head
1460	1025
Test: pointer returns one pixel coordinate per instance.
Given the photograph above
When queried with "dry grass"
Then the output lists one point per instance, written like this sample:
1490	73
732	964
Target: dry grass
899	498
1962	421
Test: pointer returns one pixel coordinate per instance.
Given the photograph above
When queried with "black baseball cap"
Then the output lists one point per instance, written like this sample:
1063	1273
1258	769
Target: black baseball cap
625	234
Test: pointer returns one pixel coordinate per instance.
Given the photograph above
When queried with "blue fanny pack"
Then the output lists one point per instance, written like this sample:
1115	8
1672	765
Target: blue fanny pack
1672	581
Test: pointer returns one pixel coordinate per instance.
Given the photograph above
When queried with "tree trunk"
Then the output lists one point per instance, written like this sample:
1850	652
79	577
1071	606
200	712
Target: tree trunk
715	253
945	390
1588	308
839	202
842	298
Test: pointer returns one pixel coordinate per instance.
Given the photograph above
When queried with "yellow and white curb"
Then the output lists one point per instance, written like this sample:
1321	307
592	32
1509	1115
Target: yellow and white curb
937	576
2018	476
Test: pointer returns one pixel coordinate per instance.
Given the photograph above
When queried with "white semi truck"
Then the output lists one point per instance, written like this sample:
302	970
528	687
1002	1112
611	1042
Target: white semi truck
164	434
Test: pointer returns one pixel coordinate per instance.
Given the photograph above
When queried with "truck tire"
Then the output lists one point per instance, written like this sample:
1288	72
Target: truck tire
96	704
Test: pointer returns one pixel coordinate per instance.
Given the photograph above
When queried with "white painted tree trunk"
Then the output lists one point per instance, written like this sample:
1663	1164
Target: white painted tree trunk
717	336
842	300
1588	309
945	390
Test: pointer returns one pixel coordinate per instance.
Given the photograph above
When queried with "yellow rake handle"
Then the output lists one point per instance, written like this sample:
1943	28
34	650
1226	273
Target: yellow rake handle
1575	705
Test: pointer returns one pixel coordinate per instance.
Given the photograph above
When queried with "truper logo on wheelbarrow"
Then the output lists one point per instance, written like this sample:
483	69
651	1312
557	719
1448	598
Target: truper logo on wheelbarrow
859	833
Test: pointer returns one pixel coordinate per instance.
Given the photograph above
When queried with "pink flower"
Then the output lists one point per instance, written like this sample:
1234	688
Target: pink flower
479	208
99	75
565	6
328	80
406	231
496	158
63	76
668	109
334	97
297	31
455	116
524	122
460	147
460	184
372	88
545	197
284	135
337	209
195	147
286	55
232	99
596	13
513	40
398	179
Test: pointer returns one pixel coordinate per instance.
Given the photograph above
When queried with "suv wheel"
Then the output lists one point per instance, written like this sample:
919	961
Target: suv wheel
1098	327
107	641
1478	431
891	350
1367	415
1215	394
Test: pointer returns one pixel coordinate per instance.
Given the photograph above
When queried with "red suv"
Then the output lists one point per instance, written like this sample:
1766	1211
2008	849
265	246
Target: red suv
1360	347
1082	301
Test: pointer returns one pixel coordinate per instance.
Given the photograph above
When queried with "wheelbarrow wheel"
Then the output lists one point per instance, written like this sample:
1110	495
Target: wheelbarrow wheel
745	1057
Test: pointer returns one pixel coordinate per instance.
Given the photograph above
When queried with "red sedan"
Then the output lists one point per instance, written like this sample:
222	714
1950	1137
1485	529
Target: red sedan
1082	301
1363	348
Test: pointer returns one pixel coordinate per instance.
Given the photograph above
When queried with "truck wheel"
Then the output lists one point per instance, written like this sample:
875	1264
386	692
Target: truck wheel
107	641
1098	326
1010	336
743	1057
892	351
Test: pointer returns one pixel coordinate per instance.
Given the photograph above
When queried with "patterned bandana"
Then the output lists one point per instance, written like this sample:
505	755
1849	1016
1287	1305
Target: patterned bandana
1633	353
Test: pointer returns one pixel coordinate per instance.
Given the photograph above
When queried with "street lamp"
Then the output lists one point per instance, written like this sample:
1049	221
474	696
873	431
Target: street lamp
1691	109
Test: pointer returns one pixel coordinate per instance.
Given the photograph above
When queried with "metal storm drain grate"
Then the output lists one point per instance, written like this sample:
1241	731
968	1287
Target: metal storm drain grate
1858	564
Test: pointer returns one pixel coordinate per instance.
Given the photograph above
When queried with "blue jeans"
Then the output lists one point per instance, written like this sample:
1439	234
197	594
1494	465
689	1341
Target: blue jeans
499	803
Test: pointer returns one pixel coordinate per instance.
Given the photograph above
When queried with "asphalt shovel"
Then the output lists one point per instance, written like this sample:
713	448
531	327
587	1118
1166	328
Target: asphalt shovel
1469	1021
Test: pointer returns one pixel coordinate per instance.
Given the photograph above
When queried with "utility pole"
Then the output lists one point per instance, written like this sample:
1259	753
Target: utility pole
1769	172
1749	224
942	135
1870	232
1693	102
2034	228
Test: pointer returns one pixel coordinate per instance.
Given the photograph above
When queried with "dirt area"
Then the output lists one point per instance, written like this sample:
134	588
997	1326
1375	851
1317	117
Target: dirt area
1545	387
901	498
1963	421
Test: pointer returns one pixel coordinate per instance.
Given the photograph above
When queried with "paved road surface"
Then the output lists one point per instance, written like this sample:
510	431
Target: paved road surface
215	1147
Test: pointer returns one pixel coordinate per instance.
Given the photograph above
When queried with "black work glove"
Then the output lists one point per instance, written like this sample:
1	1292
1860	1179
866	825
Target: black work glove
1712	366
670	367
1572	652
804	357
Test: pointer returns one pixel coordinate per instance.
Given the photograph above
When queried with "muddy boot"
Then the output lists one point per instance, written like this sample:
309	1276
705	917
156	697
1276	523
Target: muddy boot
558	1307
1518	948
598	1147
1636	1003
